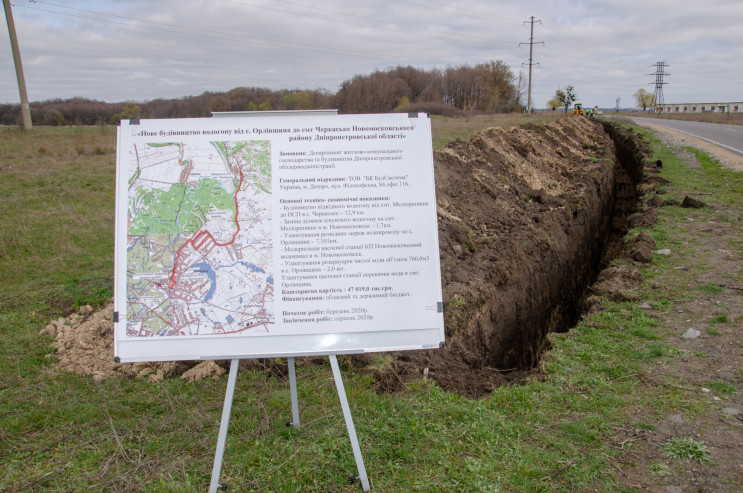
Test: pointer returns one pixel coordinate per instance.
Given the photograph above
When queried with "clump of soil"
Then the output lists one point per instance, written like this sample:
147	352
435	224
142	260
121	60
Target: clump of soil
524	219
692	203
84	345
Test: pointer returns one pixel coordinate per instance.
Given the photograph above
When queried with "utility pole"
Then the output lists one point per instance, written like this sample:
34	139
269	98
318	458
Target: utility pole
531	59
25	110
659	73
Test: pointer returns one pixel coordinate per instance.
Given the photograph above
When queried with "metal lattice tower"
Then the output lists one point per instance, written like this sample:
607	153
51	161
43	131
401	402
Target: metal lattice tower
659	74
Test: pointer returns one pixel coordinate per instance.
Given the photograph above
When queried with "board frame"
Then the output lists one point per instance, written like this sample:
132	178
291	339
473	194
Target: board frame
376	338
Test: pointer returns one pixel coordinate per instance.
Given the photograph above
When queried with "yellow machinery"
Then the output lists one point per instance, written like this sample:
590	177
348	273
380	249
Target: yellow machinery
578	110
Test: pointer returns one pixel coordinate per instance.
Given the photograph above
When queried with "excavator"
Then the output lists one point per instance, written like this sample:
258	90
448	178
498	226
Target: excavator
578	109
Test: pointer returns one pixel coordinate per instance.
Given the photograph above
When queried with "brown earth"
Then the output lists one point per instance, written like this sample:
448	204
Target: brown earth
526	220
84	344
524	216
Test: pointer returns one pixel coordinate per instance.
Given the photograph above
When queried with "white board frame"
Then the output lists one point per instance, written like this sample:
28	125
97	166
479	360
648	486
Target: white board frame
418	154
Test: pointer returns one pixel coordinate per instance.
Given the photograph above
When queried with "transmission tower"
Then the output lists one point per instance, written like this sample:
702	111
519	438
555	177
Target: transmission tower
659	74
531	44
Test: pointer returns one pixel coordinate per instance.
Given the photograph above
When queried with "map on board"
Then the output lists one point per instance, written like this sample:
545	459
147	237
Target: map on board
199	248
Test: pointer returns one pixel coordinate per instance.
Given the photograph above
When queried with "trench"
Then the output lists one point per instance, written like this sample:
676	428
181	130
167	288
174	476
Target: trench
555	304
531	280
522	288
628	171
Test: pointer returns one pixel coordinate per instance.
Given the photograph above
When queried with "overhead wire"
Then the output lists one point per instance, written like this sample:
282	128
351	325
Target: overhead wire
587	67
458	10
416	30
208	33
578	43
400	28
286	44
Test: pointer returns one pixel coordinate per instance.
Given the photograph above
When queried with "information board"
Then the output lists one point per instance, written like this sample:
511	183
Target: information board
281	236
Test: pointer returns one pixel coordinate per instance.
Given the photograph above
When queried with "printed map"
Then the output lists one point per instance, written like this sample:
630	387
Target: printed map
199	255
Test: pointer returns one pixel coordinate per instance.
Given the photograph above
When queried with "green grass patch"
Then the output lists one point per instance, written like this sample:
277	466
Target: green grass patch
686	449
722	388
710	288
56	215
726	185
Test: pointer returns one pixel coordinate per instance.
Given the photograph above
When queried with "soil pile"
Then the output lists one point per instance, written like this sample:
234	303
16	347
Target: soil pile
524	216
84	345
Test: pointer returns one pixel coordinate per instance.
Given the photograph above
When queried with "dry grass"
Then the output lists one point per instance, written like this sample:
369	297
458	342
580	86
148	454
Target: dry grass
55	213
447	129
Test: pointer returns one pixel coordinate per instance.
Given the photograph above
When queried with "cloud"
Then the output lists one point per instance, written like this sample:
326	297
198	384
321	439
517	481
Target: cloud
134	49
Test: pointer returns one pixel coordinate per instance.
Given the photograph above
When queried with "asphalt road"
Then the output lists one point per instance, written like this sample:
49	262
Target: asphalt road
728	136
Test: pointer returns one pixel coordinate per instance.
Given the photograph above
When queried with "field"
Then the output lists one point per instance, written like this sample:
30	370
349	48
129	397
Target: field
622	401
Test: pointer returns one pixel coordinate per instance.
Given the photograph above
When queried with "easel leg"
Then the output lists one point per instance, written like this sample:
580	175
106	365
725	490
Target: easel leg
293	389
226	411
349	422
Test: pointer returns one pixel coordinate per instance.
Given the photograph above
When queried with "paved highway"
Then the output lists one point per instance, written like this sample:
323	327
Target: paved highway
728	136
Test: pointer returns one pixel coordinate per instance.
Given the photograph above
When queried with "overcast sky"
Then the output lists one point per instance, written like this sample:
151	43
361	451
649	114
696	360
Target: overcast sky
120	50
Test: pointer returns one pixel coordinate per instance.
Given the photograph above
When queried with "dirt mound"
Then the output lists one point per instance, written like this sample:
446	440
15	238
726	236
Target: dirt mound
524	218
84	345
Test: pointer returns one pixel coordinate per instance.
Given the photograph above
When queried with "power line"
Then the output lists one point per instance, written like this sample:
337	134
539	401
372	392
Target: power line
478	14
579	44
211	34
586	67
416	31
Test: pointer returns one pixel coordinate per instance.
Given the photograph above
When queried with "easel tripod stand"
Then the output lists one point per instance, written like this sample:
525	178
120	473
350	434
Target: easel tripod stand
215	486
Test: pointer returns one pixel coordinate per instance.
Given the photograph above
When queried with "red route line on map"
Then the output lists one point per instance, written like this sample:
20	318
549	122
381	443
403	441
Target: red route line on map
172	282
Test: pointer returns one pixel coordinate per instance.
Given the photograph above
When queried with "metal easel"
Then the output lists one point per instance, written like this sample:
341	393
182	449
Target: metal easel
215	486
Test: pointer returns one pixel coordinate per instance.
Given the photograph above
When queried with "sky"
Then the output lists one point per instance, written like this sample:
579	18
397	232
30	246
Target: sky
140	50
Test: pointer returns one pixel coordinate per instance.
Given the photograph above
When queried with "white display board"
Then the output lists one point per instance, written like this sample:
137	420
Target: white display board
284	236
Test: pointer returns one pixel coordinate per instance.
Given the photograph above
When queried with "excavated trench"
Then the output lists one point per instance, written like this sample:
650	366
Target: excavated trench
527	220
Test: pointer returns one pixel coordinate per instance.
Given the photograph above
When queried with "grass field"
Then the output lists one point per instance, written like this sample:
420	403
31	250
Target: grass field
63	432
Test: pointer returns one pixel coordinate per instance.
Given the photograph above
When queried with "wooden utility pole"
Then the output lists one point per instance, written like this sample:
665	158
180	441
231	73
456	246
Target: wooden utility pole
25	110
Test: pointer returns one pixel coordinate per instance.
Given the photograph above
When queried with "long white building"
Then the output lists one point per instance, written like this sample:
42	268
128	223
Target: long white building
727	107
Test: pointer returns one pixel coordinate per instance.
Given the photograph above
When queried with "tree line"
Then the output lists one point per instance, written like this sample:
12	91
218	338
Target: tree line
487	87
